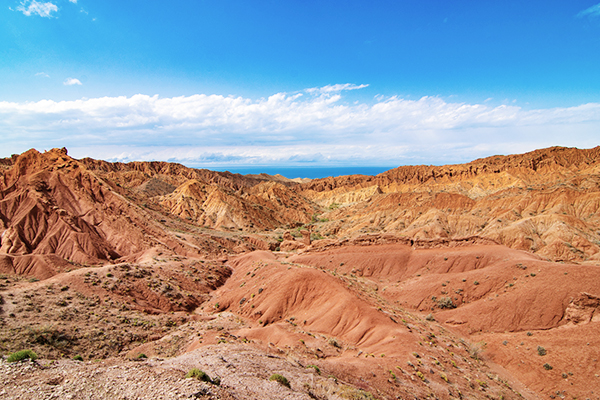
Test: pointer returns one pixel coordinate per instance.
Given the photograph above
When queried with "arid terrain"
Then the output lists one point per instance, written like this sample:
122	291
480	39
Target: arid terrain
471	281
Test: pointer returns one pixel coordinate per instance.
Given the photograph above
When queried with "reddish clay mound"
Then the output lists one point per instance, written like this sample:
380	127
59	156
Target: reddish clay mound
556	363
313	298
478	288
347	328
35	266
486	292
153	288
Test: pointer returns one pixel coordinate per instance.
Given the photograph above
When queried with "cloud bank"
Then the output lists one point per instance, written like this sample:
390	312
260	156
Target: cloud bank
313	127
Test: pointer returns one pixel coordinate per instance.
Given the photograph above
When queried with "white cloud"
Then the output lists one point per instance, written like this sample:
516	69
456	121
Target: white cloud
71	82
593	11
43	75
29	7
335	88
290	129
73	1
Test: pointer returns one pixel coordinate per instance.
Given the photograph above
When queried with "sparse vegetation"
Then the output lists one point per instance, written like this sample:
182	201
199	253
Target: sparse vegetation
280	378
446	302
541	351
198	374
547	367
22	355
350	393
317	369
475	350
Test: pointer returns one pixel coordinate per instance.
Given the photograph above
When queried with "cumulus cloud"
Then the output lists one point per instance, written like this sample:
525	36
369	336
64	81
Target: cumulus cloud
71	82
593	11
33	7
291	129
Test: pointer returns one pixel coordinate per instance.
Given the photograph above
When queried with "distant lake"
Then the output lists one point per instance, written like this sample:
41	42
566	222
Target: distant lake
306	172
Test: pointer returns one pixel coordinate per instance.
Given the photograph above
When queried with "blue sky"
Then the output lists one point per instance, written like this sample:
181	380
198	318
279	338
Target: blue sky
298	83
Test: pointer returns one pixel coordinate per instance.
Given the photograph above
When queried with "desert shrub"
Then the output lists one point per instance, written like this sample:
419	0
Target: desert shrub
281	379
22	355
333	342
475	350
446	302
547	367
141	356
317	369
203	376
78	358
347	392
541	351
198	374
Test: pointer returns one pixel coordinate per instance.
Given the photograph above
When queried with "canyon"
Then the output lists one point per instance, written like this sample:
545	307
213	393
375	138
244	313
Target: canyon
478	280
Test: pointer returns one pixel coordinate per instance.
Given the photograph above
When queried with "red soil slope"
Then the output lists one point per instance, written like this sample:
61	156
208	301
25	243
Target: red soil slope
347	328
505	301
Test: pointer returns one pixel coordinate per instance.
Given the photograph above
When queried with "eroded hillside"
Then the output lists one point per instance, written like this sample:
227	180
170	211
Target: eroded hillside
545	202
466	281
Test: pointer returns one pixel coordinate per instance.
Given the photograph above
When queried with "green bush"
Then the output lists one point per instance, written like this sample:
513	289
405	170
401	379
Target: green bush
198	374
78	358
281	379
202	376
22	355
317	369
